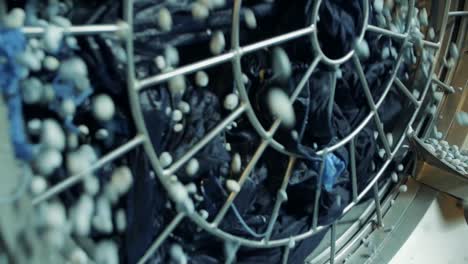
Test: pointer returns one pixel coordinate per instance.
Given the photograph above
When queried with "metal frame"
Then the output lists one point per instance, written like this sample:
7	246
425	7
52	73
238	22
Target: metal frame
136	86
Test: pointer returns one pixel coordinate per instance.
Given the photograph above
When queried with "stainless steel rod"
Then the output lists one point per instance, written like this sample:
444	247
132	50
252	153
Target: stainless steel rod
200	65
387	32
458	13
447	88
75	30
72	180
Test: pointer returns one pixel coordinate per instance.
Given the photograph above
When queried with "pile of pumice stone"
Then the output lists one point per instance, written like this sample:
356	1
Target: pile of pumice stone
451	154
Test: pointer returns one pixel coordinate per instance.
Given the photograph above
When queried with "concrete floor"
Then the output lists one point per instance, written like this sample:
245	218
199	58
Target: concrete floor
440	237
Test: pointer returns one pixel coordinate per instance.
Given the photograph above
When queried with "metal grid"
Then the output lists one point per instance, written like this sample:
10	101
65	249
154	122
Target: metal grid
135	86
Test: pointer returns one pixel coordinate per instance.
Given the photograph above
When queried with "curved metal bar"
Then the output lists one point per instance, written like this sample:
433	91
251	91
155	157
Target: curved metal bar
367	119
250	113
386	32
316	43
237	69
134	101
458	13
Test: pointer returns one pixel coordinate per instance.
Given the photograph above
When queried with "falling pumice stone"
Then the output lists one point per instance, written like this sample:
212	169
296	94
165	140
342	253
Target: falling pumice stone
281	107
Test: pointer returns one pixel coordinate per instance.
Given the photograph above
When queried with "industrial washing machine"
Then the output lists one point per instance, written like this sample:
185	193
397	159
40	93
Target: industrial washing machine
205	131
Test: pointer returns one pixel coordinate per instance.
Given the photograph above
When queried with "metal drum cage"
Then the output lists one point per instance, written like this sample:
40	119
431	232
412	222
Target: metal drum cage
344	239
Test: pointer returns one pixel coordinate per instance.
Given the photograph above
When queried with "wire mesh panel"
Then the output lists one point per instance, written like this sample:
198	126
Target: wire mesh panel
268	134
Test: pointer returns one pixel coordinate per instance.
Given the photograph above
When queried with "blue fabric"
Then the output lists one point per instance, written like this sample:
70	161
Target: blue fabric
334	167
66	90
12	43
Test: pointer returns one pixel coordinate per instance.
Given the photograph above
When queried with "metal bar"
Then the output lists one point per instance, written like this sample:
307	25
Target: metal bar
406	92
318	191
304	79
368	94
378	208
231	255
458	13
448	35
237	73
205	140
431	44
70	181
353	169
222	212
286	254
447	88
332	243
191	68
279	198
203	64
277	40
75	30
162	237
387	32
